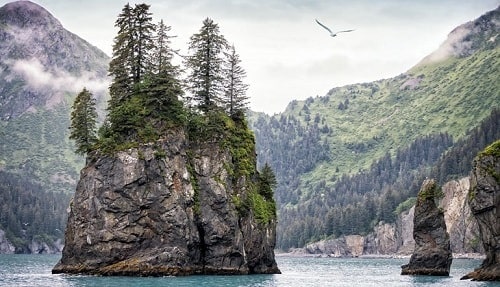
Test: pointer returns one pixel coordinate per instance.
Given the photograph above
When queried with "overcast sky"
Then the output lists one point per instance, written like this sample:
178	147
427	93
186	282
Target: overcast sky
285	53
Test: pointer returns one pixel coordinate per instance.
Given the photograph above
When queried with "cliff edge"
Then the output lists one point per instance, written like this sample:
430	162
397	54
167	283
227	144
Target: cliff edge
167	208
484	200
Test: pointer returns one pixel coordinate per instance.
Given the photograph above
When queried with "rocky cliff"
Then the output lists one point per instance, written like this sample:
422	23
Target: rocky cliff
484	201
432	254
6	247
397	238
166	209
35	246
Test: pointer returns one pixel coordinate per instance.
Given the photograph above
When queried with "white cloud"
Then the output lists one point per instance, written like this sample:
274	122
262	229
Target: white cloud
59	82
453	46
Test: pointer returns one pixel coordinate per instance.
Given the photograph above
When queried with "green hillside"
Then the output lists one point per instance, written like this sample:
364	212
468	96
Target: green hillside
360	130
39	79
34	114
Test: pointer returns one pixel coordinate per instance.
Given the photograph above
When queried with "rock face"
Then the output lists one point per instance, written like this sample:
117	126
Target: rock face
404	229
41	247
5	246
382	240
432	254
154	211
484	201
462	228
397	238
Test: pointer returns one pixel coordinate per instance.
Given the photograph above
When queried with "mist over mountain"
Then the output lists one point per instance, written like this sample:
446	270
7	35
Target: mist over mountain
42	68
467	39
41	62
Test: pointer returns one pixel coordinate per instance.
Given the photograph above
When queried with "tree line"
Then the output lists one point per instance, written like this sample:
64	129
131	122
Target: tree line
354	204
150	94
29	212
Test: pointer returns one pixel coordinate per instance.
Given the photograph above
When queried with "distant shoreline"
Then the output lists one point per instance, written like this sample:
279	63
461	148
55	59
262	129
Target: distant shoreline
296	253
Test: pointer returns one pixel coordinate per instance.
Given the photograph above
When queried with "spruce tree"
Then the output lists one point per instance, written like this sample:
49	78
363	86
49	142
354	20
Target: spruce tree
120	67
163	87
267	182
84	122
143	41
205	79
163	53
132	46
234	97
131	62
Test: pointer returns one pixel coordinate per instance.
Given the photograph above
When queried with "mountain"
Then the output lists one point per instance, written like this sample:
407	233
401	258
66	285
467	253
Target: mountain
42	68
345	161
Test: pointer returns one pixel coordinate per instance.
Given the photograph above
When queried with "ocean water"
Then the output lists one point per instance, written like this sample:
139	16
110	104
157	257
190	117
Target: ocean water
35	270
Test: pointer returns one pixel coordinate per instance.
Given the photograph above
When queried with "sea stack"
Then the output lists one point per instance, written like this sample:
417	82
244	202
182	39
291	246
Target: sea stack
432	254
484	200
167	208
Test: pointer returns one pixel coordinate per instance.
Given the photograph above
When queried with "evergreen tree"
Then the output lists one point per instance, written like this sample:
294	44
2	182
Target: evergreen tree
120	67
131	50
267	182
143	30
234	97
163	53
83	122
163	88
131	62
205	81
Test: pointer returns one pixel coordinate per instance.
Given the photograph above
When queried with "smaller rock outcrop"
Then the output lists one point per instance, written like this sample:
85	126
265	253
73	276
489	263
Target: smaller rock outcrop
432	254
484	200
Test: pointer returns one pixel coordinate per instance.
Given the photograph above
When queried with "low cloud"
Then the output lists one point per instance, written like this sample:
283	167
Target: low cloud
37	76
453	46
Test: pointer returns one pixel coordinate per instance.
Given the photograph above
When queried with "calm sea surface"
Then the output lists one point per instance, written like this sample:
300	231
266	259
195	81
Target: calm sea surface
34	270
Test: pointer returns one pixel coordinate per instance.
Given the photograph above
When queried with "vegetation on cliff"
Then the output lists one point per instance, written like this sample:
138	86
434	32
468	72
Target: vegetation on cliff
172	174
484	201
148	100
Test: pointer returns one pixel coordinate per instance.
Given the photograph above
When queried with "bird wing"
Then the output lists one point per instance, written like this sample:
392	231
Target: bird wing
328	29
344	31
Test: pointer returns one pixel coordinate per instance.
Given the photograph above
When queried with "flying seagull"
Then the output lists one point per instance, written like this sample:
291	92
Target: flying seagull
328	29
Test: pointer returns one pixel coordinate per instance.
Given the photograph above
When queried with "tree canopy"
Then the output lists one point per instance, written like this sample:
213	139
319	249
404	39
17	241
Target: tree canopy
205	64
148	92
84	122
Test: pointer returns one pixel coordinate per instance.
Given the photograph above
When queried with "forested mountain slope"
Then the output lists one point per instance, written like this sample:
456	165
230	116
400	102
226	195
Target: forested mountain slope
42	67
346	160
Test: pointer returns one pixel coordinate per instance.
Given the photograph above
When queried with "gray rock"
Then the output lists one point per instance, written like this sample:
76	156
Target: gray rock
154	211
397	238
37	246
462	228
432	254
484	200
6	247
